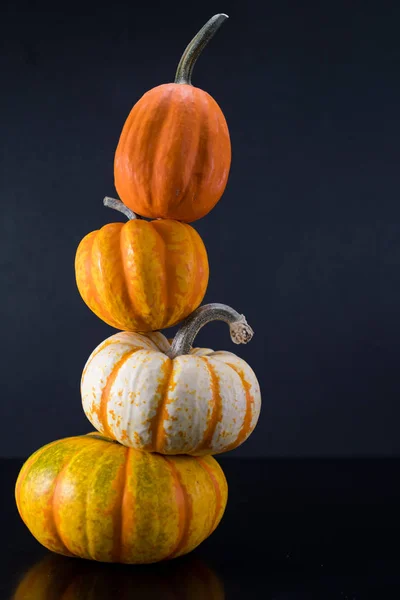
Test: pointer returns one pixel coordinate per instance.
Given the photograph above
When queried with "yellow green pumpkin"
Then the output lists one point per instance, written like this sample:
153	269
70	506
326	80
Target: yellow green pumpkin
90	497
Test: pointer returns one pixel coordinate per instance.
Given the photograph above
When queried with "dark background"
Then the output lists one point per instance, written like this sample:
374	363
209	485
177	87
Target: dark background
305	241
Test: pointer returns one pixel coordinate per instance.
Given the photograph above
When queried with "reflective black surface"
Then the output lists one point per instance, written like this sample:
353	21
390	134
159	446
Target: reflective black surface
293	529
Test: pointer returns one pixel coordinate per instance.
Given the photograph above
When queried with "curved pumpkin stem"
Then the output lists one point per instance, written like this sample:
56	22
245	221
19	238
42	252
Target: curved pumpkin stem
240	330
118	205
195	47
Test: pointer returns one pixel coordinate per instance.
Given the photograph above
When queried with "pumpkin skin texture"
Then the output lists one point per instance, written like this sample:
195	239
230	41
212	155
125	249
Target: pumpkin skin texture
200	403
140	275
60	578
174	154
89	497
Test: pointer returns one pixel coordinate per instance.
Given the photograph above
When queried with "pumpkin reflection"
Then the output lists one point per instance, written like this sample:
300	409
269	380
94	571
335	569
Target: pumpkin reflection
60	578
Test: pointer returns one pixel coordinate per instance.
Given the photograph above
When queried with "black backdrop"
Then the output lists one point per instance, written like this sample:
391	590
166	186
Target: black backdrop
305	240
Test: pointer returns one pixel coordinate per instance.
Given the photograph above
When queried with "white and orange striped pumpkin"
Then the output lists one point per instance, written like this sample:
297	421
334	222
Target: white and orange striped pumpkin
150	395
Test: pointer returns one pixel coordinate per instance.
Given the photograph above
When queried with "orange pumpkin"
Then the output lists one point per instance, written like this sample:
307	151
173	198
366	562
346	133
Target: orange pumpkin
90	497
60	578
174	154
141	275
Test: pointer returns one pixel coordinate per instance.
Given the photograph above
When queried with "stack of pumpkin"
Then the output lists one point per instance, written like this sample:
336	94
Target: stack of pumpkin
145	486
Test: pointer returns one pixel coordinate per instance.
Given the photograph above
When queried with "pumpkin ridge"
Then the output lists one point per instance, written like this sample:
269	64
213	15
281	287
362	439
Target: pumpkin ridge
176	309
201	141
158	121
126	495
94	291
246	426
105	395
118	517
55	499
141	323
203	152
93	473
186	106
184	504
147	271
169	283
163	280
162	149
216	414
107	276
144	150
200	153
114	277
123	279
28	464
157	424
217	490
130	505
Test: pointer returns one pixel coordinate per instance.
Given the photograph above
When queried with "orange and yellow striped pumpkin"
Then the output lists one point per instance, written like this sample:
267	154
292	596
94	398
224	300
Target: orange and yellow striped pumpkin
174	153
90	497
60	578
141	275
198	403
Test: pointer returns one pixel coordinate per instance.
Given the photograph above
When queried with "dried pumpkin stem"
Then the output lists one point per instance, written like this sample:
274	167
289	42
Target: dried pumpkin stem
240	330
118	205
195	47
